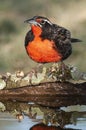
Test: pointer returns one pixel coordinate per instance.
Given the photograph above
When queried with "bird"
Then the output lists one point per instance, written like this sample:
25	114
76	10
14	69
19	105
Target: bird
42	126
47	42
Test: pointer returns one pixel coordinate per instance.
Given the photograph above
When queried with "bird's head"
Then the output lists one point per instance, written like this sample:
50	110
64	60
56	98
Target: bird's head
37	23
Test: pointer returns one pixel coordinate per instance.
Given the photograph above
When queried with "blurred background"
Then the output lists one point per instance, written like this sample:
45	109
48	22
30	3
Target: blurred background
68	13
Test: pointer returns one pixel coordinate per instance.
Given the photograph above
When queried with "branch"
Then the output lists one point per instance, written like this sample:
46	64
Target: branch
54	94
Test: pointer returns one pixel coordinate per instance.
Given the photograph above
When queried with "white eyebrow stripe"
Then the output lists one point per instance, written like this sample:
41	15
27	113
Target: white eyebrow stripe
48	21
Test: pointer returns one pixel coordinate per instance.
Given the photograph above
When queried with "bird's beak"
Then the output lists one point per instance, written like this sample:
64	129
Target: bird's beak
31	21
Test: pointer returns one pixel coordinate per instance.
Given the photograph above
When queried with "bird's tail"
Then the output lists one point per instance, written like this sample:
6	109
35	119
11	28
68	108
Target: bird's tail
75	40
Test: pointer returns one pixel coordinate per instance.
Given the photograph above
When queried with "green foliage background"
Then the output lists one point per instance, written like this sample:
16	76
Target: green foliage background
70	14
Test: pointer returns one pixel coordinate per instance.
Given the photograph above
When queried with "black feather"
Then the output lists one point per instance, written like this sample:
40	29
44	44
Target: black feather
29	37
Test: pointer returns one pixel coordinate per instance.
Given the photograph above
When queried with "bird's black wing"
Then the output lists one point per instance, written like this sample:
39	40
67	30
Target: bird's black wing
64	34
62	39
61	33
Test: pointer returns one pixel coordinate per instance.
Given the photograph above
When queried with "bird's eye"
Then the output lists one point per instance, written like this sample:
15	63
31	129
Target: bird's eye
43	22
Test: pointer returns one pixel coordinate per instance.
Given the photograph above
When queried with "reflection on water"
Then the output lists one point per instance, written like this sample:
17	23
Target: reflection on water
27	123
33	114
80	125
13	124
74	108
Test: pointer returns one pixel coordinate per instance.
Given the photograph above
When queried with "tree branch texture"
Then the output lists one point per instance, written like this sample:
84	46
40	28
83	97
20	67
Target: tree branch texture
53	94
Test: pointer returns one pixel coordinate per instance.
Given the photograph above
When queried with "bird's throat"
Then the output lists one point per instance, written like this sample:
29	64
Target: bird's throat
36	30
